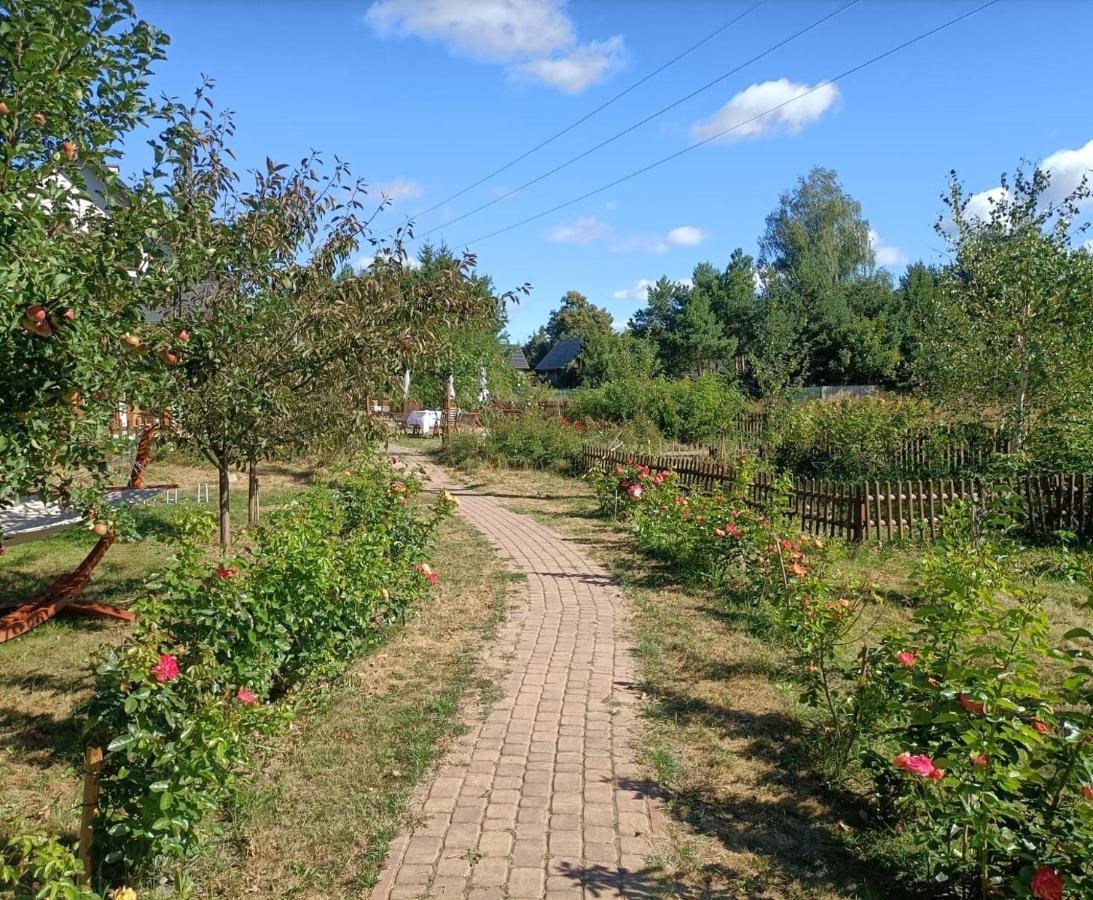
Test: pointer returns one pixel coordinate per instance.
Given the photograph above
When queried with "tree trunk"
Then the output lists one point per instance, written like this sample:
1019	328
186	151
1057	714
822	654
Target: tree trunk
253	513
225	507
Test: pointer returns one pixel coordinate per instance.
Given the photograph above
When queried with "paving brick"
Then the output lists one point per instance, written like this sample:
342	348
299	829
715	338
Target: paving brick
530	796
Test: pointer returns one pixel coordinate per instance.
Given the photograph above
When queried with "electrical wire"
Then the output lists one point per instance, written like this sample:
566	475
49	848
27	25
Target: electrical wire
721	134
646	120
470	187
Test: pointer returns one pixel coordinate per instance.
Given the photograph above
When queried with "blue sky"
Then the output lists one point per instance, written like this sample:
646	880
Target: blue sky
424	97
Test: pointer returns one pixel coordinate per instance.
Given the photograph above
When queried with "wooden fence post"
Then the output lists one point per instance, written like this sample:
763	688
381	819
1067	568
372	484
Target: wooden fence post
92	766
858	514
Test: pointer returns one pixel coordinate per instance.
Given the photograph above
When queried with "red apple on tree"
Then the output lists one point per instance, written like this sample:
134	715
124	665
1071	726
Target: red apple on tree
101	529
4	111
182	335
69	150
39	118
36	312
70	314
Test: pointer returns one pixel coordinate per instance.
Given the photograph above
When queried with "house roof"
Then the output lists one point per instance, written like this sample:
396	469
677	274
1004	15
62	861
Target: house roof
560	355
517	360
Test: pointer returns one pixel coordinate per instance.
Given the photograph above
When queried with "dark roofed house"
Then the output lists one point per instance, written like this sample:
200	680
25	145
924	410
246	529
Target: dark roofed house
560	365
517	361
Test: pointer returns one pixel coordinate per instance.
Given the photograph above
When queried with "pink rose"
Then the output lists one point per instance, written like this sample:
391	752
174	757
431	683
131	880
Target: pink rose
906	658
426	571
635	491
394	460
245	696
1040	726
166	669
1087	791
1046	884
979	760
918	764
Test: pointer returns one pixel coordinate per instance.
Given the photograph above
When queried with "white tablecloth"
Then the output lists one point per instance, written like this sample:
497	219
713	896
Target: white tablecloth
428	420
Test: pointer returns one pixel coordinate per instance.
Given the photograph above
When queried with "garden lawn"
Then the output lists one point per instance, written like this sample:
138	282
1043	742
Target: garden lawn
46	674
316	821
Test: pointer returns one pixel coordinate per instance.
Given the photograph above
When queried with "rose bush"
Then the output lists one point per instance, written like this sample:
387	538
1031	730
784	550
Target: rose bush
223	652
973	726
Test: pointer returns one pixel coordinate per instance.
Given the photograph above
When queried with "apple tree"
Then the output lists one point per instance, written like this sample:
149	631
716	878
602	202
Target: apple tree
79	258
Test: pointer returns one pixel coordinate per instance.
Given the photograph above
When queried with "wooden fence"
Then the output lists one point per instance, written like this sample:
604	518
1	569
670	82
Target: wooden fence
883	511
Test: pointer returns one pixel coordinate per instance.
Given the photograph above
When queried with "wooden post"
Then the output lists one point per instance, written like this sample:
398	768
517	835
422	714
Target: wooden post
92	766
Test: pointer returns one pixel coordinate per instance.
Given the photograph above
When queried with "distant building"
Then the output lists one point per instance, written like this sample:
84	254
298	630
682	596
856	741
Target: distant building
562	362
517	361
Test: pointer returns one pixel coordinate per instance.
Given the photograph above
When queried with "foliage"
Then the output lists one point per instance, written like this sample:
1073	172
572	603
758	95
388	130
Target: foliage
535	441
221	652
73	84
688	410
1015	320
276	353
464	348
862	438
576	317
973	726
34	865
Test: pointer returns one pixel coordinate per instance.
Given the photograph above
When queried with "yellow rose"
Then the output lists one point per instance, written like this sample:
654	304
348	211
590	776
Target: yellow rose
123	893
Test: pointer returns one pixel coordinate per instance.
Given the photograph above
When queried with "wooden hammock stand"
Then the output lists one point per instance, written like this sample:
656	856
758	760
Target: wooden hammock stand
63	594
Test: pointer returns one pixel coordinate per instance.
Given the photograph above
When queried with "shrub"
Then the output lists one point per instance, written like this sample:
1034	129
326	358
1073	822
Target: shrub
535	441
975	729
687	410
463	450
222	650
34	865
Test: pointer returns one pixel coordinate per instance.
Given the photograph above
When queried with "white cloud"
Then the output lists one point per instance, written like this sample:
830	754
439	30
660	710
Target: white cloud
681	236
886	254
578	70
686	236
1067	168
639	290
979	205
400	189
1088	246
747	115
581	231
536	38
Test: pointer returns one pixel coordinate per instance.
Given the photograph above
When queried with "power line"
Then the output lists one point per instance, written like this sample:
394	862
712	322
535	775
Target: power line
721	134
470	187
646	120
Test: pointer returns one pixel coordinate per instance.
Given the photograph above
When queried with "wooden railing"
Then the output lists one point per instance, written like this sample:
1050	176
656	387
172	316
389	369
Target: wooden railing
884	511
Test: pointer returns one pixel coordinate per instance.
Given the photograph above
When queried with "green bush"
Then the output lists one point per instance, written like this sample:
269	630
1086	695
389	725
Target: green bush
973	725
687	410
463	450
532	440
34	866
222	651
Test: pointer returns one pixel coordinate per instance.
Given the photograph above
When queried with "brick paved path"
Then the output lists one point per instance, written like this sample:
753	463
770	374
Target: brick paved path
542	799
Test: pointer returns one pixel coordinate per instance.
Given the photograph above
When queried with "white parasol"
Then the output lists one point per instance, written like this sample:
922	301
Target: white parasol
484	387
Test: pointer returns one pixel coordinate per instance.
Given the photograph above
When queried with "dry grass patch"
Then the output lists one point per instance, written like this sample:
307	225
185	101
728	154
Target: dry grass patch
317	821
